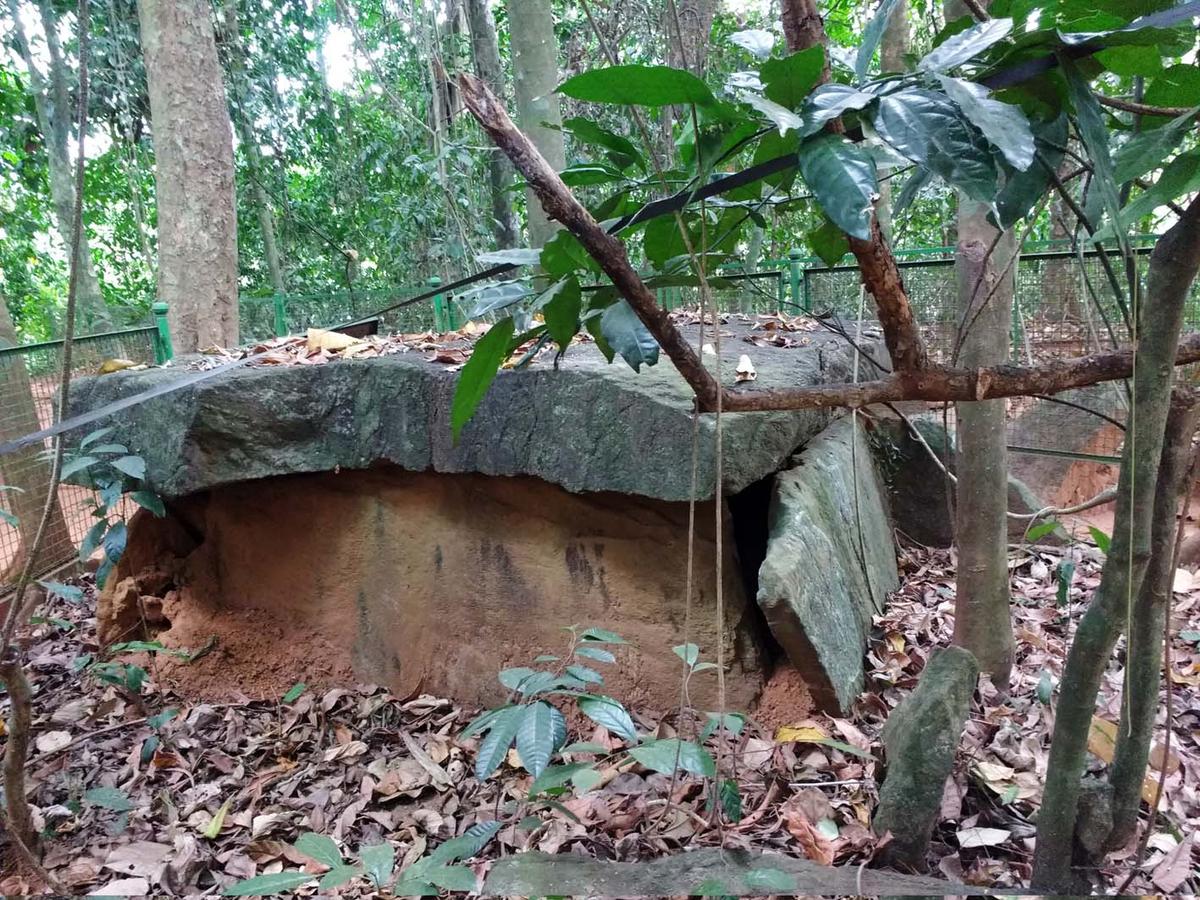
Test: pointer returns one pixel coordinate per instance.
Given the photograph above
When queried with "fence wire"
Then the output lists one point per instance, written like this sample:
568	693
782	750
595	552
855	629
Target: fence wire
30	378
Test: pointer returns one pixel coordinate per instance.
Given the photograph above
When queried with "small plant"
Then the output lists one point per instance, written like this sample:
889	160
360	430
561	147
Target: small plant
111	471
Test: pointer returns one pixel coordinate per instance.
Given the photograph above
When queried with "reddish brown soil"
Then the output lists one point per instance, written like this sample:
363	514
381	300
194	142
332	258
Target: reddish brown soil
785	700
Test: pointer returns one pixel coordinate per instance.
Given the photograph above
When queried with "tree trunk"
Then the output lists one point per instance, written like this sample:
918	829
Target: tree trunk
486	53
1173	267
535	76
238	94
982	621
53	107
26	468
1149	614
193	146
893	51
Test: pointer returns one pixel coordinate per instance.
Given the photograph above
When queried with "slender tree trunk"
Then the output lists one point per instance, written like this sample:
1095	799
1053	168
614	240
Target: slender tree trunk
25	469
197	217
486	53
1144	644
132	168
238	94
982	620
535	76
1173	267
52	104
892	52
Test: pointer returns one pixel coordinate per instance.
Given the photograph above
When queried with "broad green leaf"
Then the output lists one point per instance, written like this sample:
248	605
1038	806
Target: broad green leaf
596	653
621	151
95	436
564	255
1003	124
536	737
782	117
776	881
1065	573
1089	122
730	797
592	324
114	542
66	591
158	720
689	653
1037	532
842	177
493	297
217	822
78	464
588	174
602	636
1131	61
930	130
965	45
561	312
482	722
828	102
610	714
110	449
1147	150
133	466
1181	176
294	692
555	776
268	885
480	370
378	860
916	182
628	336
10	518
467	844
1045	689
452	878
493	747
586	779
667	754
787	81
871	37
110	798
1023	190
151	501
585	674
512	677
829	243
734	723
1178	85
339	875
516	256
1103	541
755	41
638	85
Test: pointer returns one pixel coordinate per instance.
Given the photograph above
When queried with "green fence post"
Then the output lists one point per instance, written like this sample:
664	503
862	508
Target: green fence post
794	257
280	304
441	322
163	351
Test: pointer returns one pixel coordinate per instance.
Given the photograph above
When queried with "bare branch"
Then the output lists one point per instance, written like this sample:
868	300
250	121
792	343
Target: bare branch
1141	109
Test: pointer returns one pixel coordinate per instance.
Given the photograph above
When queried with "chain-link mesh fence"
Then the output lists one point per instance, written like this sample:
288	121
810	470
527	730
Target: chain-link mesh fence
29	390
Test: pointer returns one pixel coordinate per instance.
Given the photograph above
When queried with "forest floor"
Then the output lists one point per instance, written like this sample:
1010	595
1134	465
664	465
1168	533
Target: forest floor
146	793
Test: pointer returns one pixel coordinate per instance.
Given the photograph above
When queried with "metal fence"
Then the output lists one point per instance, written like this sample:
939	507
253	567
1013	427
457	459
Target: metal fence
29	389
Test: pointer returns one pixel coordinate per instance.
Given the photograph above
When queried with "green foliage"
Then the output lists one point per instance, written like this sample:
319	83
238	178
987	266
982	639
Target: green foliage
479	372
638	85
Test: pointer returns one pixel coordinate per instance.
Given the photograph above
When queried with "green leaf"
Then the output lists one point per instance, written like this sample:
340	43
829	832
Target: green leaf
638	85
829	242
828	102
730	797
555	776
562	311
782	117
1181	176
493	747
108	798
585	780
775	881
930	130
78	464
662	241
110	449
1003	124
711	887
621	150
467	844
339	875
516	256
871	37
158	720
588	174
842	177
133	466
610	714
1065	572
734	723
477	375
602	636
267	885
452	878
585	674
755	41
666	754
689	653
1178	85
1131	61
1103	541
1045	688
596	653
1023	190
8	517
512	677
95	436
787	81
319	847
965	45
1037	532
114	542
536	737
1147	150
845	748
1089	122
482	722
69	592
628	336
490	298
151	501
592	323
564	255
294	692
378	860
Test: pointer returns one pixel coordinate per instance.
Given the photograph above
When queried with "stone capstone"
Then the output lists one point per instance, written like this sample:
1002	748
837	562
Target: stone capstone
830	561
586	426
920	740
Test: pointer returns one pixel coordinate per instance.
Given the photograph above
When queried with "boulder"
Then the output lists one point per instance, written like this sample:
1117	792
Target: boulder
830	561
920	738
586	425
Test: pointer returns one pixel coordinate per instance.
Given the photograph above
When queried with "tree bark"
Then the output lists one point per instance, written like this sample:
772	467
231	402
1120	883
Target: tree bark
193	146
16	750
485	50
535	76
1173	267
982	619
893	52
52	104
1143	657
